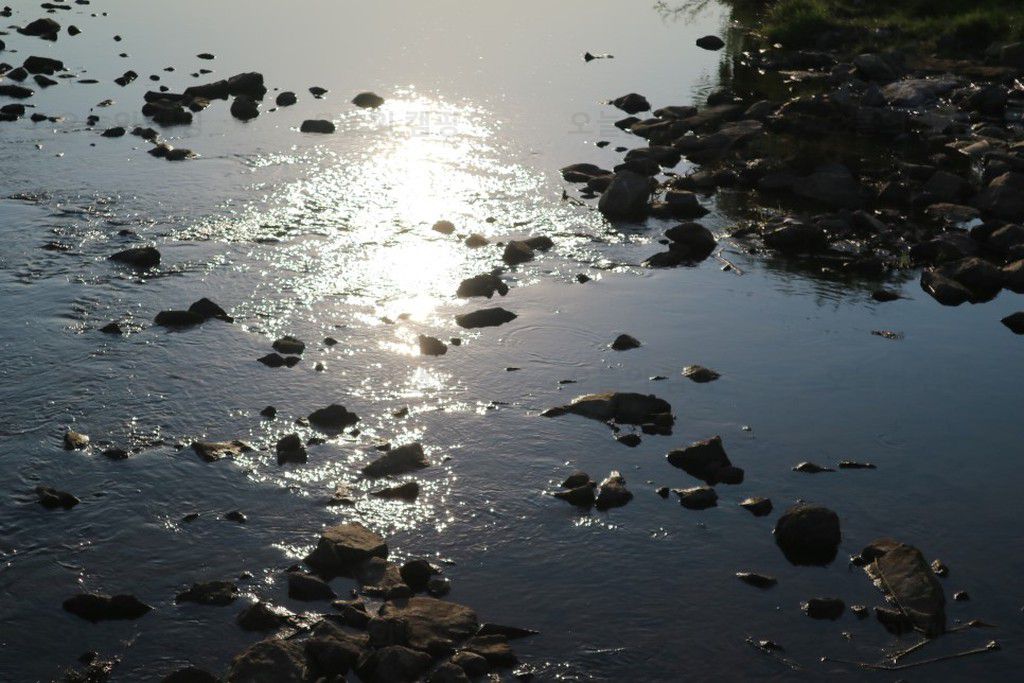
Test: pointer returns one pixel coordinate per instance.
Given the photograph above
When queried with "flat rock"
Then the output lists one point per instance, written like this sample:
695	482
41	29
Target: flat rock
824	608
904	575
344	547
757	580
211	451
700	374
434	626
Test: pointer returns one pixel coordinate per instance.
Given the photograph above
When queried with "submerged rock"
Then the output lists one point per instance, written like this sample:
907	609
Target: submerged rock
811	468
138	257
343	548
485	317
580	494
712	43
176	318
98	607
625	342
209	593
1014	322
74	441
52	498
756	580
808	534
407	458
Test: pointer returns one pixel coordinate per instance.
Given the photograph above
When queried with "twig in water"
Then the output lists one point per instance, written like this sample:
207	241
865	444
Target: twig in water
992	646
726	262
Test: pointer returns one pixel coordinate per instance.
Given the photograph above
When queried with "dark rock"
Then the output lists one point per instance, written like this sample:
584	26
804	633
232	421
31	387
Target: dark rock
209	593
289	345
625	342
626	196
517	252
188	674
368	100
333	418
308	587
431	346
353	613
416	574
43	65
74	441
712	43
52	498
824	608
178	319
317	126
138	257
884	295
946	291
495	649
276	360
811	468
16	91
612	492
759	507
235	516
851	465
706	460
700	374
209	309
212	451
907	578
244	108
286	99
1015	322
622	407
290	449
407	491
472	664
582	173
280	661
576	479
485	317
697	498
631	103
262	616
270	412
434	626
631	440
808	534
793	236
45	28
581	495
756	580
697	239
344	547
482	285
407	458
393	664
97	607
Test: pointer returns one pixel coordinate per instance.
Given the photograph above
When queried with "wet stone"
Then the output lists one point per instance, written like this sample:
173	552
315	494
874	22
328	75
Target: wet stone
808	534
400	460
757	580
612	492
625	342
209	593
697	498
759	507
98	607
52	498
344	547
824	608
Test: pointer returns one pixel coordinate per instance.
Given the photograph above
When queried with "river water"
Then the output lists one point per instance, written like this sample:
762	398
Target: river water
319	236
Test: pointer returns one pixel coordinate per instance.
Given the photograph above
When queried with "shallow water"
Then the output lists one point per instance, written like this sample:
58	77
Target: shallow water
325	236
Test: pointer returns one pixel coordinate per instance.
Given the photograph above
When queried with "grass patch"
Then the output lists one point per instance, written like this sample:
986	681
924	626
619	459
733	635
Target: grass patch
950	27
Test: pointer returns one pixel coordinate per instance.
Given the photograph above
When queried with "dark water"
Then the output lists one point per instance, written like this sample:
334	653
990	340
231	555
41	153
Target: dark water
325	236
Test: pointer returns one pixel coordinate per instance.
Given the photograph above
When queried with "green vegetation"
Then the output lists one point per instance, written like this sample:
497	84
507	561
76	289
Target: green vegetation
951	27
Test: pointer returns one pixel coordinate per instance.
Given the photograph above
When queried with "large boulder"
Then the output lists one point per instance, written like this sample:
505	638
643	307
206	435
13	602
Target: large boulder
344	547
808	534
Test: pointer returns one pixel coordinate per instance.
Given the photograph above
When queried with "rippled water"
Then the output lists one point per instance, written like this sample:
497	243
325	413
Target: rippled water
331	236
